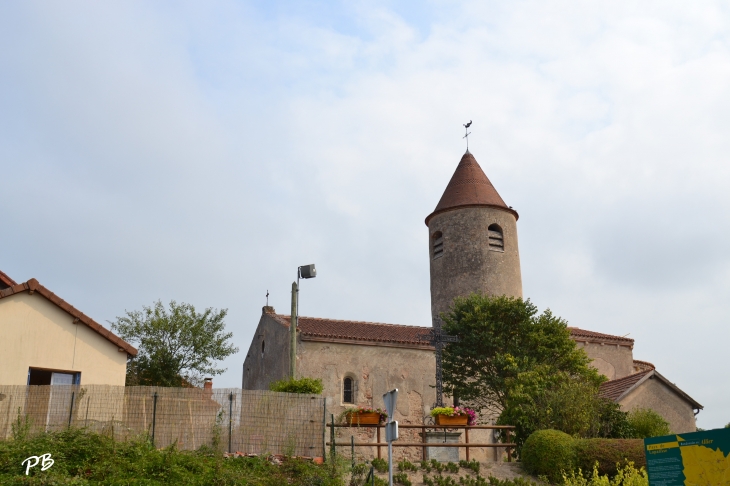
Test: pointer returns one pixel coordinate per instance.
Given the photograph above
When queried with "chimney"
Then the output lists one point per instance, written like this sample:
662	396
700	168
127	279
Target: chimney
267	309
208	384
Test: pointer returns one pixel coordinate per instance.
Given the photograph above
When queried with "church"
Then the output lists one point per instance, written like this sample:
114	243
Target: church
473	247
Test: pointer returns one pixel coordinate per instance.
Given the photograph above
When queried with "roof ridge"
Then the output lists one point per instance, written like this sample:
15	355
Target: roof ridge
33	285
353	322
599	334
5	279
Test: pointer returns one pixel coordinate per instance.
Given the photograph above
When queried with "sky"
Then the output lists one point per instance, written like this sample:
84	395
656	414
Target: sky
202	151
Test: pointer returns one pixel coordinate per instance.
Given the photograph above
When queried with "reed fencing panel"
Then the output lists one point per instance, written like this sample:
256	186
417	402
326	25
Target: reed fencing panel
249	421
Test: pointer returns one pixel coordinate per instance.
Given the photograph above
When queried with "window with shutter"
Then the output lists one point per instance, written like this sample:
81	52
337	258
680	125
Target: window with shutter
496	238
438	245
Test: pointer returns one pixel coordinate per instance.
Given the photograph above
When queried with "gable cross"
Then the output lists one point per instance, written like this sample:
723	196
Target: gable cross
438	340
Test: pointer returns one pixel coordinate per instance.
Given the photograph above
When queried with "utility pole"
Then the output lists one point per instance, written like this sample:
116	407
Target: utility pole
305	271
293	332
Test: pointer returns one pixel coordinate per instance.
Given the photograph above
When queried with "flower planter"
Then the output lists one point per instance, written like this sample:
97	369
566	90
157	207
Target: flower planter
456	420
364	418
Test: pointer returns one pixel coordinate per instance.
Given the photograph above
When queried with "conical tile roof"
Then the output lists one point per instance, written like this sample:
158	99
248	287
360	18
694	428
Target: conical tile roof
469	187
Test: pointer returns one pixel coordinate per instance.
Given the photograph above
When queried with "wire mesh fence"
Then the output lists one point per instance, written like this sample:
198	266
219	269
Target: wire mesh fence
231	419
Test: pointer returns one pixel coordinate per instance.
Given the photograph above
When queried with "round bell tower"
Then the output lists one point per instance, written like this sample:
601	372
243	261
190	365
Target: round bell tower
472	238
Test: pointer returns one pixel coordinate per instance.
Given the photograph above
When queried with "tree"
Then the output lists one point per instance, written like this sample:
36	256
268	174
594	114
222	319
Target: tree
178	347
541	400
506	348
647	423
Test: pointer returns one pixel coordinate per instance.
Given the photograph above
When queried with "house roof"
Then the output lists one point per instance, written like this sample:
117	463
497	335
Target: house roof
469	187
617	389
597	337
315	328
6	281
33	286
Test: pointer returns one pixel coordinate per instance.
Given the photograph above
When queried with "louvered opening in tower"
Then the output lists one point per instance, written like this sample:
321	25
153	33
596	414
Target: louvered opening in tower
438	245
496	238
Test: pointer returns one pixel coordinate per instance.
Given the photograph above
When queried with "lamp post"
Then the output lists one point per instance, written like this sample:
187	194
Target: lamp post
305	271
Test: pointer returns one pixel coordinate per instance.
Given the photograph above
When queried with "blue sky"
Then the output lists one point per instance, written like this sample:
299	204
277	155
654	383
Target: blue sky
201	152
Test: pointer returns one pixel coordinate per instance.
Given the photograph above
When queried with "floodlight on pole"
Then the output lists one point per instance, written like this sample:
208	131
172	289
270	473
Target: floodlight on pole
305	272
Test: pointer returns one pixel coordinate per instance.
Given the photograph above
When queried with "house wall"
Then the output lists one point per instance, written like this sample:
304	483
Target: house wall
37	333
611	360
260	369
654	394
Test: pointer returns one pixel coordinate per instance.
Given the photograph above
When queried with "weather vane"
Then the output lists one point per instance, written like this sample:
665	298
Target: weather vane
466	129
267	298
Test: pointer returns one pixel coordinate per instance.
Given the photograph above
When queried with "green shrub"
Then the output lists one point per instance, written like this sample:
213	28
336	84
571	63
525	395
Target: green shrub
607	453
401	478
82	458
406	465
380	465
473	465
647	423
549	453
309	386
627	475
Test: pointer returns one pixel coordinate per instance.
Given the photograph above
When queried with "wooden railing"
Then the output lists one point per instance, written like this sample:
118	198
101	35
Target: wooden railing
423	444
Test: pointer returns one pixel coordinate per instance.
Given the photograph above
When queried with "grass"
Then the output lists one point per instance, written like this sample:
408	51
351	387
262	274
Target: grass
82	458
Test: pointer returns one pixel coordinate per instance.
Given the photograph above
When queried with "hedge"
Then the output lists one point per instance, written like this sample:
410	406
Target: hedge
608	453
551	453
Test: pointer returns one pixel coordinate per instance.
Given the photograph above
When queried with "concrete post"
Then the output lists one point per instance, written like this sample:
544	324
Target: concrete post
293	332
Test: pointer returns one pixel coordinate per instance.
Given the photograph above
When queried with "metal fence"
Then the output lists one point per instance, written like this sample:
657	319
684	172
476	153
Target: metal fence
248	421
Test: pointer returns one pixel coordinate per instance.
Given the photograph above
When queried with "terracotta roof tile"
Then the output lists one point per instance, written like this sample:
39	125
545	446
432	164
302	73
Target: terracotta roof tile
582	334
643	365
32	285
6	281
613	389
357	330
469	187
317	327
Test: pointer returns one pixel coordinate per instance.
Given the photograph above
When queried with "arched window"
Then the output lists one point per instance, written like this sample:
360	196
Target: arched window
496	239
348	390
438	244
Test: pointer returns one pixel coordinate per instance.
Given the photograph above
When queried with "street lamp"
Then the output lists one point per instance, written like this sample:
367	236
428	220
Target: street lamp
305	272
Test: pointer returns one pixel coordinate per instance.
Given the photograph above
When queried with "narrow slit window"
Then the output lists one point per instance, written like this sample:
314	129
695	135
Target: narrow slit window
438	245
496	238
348	395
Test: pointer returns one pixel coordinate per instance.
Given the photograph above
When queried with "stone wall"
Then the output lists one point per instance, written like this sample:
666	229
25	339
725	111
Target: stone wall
376	370
467	264
611	360
267	358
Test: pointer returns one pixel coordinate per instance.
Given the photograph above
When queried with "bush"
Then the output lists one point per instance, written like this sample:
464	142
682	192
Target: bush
627	475
309	386
83	458
549	453
645	422
563	403
608	453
